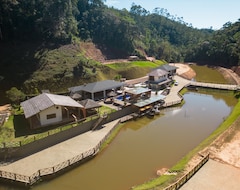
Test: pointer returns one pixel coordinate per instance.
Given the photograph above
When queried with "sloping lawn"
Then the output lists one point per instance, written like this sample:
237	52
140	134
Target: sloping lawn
208	74
134	69
124	65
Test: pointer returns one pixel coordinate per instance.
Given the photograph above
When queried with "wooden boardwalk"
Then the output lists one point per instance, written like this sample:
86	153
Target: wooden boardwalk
214	86
174	97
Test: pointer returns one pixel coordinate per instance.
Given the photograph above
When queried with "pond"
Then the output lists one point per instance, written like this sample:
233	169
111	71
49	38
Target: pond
146	145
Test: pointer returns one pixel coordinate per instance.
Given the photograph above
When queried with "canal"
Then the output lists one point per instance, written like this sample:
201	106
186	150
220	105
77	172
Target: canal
146	145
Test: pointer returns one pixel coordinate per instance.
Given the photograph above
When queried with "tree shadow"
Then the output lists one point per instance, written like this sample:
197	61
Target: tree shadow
22	127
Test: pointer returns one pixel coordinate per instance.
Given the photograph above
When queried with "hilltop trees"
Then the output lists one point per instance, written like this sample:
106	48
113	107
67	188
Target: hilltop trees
30	31
221	49
28	19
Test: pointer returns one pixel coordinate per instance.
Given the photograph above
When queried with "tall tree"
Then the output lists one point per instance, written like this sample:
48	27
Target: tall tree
58	19
6	22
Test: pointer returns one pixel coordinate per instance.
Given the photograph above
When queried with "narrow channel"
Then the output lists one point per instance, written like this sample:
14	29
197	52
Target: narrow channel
146	145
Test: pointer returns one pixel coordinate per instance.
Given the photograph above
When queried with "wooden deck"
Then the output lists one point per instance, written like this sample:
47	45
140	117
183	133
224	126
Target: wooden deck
213	85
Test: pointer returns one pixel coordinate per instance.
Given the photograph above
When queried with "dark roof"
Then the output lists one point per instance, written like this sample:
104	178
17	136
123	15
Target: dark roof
167	67
158	72
88	103
97	86
43	101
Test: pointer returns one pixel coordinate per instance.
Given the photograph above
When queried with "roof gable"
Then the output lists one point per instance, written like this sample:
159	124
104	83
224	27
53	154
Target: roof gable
158	72
168	67
63	100
97	86
89	103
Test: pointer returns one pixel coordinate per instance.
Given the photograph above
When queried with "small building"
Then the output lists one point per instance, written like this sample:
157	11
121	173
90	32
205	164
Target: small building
147	104
169	68
158	79
133	58
96	90
48	109
137	94
90	106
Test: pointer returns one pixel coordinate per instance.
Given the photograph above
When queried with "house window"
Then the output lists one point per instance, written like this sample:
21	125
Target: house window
51	116
151	78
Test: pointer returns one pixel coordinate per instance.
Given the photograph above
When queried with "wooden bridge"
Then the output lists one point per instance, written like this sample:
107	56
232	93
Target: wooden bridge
214	86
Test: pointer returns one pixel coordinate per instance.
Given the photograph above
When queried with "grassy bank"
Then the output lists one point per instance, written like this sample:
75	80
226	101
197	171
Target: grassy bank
164	181
208	74
134	69
111	137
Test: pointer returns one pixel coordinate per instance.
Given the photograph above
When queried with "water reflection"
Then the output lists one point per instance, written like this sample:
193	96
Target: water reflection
146	145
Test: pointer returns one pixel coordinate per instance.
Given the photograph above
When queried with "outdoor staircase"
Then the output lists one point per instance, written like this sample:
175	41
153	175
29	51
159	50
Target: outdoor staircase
100	119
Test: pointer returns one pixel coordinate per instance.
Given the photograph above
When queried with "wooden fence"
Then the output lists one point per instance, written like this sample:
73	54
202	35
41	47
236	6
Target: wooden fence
168	104
187	176
15	144
30	180
213	85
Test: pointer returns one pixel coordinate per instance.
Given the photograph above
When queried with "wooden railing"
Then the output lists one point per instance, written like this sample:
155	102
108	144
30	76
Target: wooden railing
188	175
15	144
168	104
30	180
213	85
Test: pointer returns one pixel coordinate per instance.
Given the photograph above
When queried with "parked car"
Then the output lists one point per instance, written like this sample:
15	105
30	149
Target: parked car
176	83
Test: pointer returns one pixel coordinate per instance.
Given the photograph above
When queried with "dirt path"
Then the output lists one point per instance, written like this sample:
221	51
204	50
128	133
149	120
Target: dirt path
5	108
230	75
184	70
226	147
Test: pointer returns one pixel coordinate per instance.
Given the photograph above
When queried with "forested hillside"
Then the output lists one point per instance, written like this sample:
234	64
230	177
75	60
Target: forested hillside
40	41
222	48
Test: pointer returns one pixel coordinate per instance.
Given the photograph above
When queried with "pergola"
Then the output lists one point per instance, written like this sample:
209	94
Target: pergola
89	104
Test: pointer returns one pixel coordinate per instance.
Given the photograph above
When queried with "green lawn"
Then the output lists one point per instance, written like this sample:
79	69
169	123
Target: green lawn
130	64
17	129
208	74
133	69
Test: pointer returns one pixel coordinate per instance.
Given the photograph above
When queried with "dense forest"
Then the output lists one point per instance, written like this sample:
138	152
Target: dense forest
38	35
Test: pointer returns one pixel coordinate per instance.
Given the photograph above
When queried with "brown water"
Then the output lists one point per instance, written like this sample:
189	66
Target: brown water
146	145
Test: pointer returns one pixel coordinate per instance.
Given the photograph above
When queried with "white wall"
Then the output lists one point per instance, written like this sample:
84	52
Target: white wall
52	110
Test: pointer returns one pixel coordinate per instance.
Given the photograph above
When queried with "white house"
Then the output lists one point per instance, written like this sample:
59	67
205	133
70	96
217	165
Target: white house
158	79
47	109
